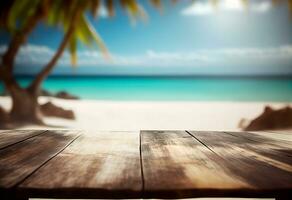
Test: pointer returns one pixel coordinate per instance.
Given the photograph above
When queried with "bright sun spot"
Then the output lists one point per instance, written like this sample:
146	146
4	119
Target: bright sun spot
201	8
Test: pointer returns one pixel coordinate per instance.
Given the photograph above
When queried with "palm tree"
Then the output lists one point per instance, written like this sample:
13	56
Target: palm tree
20	17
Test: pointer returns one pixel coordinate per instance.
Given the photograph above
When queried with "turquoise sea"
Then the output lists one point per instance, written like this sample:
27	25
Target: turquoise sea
171	89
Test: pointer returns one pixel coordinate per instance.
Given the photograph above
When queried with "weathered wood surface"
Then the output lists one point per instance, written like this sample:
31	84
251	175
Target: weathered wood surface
175	165
276	149
275	140
213	165
257	163
279	149
99	164
20	160
152	164
287	137
10	137
281	131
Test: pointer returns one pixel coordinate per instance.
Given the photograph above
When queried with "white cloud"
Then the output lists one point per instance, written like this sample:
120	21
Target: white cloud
232	5
31	48
179	57
102	12
254	53
40	55
206	7
32	54
199	8
263	6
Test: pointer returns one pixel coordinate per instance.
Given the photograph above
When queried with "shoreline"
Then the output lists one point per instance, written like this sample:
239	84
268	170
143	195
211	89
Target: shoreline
152	115
167	89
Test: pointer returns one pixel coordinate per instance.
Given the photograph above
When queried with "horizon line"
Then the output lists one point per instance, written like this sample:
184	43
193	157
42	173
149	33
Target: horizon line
161	76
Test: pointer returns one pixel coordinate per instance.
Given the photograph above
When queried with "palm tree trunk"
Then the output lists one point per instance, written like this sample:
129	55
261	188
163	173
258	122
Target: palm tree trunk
35	86
23	105
7	62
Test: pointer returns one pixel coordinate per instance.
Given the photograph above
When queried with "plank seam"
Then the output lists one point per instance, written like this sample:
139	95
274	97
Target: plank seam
141	164
20	141
44	163
202	143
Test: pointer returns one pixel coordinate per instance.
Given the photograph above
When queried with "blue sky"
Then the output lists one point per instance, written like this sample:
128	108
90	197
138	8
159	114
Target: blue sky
185	39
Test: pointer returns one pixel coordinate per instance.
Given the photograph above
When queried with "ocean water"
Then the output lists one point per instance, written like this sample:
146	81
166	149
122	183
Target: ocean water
171	89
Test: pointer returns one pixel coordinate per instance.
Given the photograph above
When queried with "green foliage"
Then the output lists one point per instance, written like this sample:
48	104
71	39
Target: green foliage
15	13
5	8
62	13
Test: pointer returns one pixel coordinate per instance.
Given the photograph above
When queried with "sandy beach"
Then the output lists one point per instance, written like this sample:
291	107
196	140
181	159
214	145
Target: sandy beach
147	115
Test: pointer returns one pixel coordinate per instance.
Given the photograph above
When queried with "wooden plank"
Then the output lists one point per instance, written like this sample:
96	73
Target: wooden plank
275	136
262	145
255	162
9	137
282	131
96	165
175	165
18	161
274	141
285	134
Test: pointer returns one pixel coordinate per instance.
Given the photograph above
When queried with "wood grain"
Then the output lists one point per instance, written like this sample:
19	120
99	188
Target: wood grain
282	131
254	162
275	136
175	165
272	140
10	137
277	150
96	165
20	160
154	164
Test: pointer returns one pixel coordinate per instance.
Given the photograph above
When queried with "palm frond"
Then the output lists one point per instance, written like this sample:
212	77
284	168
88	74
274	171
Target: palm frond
290	5
156	3
110	8
94	6
73	49
134	9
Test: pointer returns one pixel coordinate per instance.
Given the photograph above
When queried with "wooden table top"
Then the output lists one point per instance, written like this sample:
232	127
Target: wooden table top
144	164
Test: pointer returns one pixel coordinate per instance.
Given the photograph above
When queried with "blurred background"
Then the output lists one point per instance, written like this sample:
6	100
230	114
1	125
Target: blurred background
208	65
